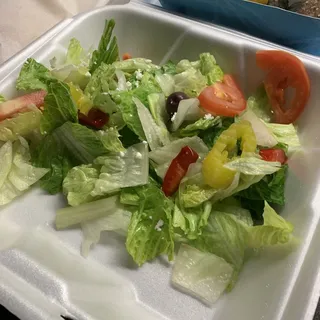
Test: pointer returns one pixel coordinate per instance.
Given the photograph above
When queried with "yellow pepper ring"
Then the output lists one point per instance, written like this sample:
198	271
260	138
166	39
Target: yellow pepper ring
213	170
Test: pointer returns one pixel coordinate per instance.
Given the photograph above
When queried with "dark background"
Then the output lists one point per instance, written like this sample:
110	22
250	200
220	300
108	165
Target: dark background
6	315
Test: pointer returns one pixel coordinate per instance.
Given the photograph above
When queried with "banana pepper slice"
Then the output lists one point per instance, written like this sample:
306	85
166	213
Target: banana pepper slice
213	170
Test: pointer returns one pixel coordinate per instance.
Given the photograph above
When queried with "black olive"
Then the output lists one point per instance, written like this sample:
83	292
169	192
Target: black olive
173	102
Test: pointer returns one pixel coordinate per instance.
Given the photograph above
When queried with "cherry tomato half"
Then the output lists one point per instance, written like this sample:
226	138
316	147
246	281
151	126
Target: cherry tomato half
284	70
126	56
223	98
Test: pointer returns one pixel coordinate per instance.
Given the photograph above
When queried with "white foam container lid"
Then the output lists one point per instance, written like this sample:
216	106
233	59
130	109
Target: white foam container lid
42	274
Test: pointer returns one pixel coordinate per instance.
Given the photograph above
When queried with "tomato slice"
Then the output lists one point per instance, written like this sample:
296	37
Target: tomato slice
126	56
223	98
273	155
178	169
284	70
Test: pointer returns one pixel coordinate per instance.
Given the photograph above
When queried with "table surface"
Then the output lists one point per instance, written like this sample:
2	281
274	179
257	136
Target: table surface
14	37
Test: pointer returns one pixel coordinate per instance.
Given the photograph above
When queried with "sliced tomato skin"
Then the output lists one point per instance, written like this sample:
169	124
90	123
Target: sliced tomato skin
273	155
284	70
223	98
178	169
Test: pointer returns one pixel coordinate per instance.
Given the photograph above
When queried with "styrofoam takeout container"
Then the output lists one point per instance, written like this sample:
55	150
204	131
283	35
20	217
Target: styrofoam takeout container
42	274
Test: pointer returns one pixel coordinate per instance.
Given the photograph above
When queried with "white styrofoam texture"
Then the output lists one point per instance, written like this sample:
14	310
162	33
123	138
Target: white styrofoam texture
270	286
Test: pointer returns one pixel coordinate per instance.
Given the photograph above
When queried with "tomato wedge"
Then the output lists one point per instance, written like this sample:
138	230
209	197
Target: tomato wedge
223	98
284	70
178	169
273	155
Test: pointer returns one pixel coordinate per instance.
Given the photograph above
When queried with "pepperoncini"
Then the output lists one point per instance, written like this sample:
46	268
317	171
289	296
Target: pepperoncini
84	104
213	170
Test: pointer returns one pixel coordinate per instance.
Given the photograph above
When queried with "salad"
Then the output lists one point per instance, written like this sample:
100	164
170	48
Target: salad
174	157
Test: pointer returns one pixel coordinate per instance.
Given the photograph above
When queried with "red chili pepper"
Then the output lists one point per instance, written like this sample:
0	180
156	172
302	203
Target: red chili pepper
126	56
95	118
178	169
273	155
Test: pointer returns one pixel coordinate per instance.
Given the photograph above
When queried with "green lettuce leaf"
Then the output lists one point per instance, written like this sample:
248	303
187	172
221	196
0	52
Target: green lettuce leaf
210	69
85	144
33	76
21	124
75	67
192	221
70	216
150	232
59	107
52	154
275	230
191	82
2	98
260	105
17	173
169	68
201	274
121	170
102	81
195	128
271	188
135	64
185	65
227	237
79	183
108	51
285	134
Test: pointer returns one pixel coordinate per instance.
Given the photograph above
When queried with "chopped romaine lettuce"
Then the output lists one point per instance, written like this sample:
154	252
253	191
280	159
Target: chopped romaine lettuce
70	216
169	68
33	76
195	128
123	169
22	124
102	81
59	107
287	134
122	82
150	232
185	65
115	219
166	83
132	65
210	69
2	98
275	230
253	166
83	143
155	135
17	173
260	105
51	153
263	134
188	109
79	183
227	237
201	274
192	221
108	51
191	82
270	188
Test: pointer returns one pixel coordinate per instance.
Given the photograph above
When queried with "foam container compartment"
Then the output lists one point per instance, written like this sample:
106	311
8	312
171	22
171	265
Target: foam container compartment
42	274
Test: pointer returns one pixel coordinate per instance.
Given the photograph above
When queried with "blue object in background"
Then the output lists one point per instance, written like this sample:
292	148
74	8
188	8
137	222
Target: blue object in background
283	27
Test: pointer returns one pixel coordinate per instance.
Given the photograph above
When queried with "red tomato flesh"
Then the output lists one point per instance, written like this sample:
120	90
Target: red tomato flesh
223	98
273	155
178	169
284	70
126	56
